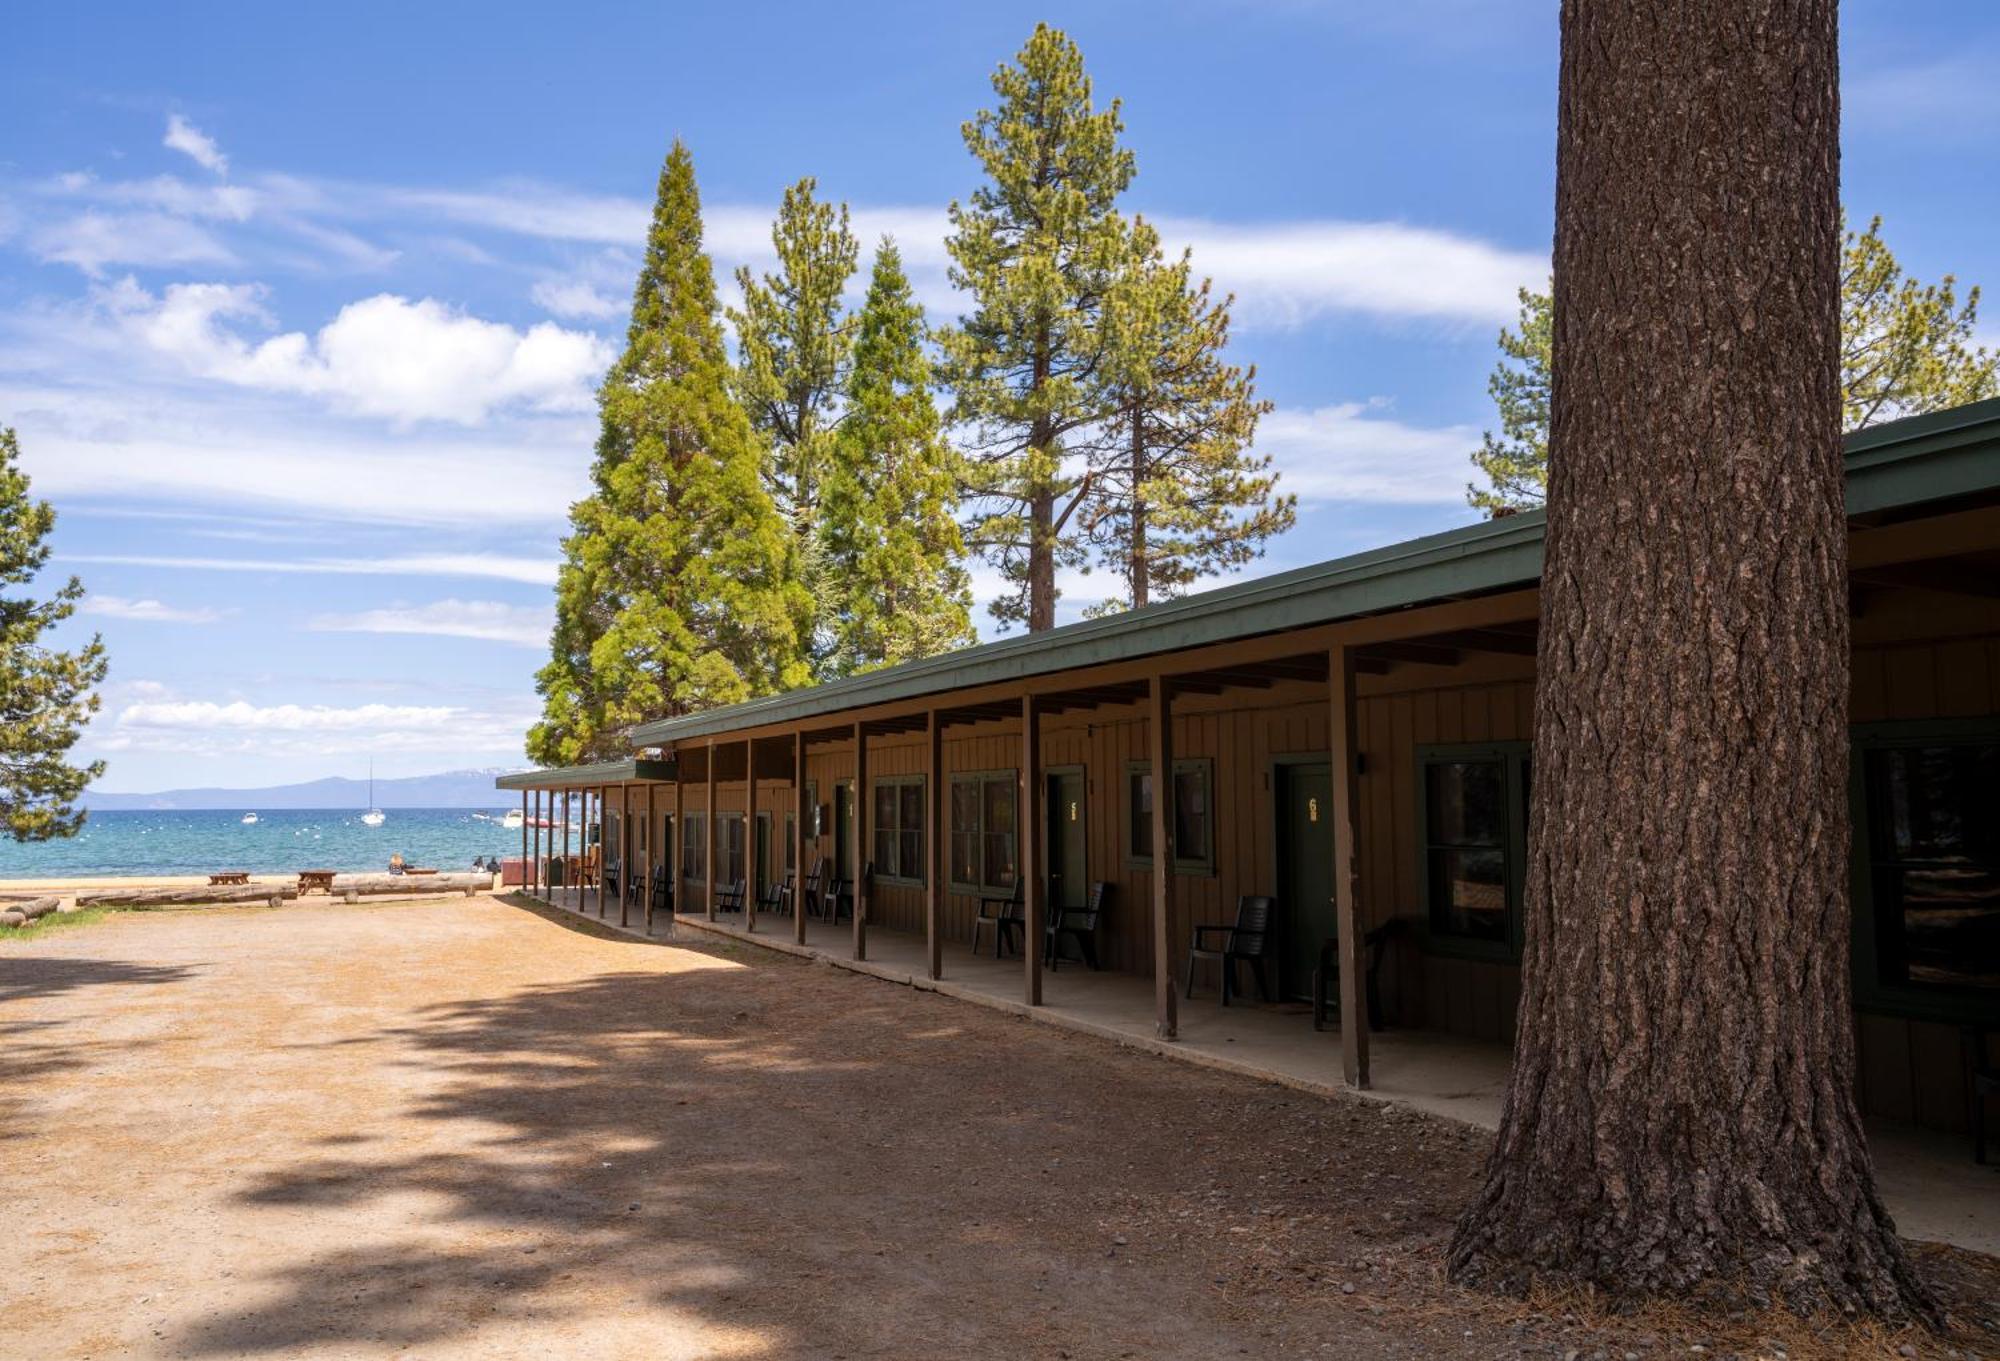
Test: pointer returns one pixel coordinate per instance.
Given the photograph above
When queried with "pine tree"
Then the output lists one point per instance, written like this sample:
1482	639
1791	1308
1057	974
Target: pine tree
893	551
794	345
1175	493
46	695
674	593
1905	348
1038	246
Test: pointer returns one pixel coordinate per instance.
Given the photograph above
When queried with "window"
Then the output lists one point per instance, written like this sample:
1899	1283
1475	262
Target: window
1194	847
694	847
898	829
983	832
729	846
1474	830
1927	867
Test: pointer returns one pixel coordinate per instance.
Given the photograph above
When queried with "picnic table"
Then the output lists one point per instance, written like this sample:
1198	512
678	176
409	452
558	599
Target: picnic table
229	877
315	880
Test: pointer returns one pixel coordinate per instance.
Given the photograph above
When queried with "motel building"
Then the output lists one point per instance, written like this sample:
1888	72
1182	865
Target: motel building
1317	782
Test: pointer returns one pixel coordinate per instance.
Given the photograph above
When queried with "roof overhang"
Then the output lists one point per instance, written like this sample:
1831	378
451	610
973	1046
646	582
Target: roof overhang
635	771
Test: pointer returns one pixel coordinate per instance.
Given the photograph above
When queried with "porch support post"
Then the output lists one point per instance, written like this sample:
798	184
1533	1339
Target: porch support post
1160	742
653	856
858	829
535	848
624	855
753	841
1346	911
1028	834
524	845
708	837
676	868
934	844
596	796
568	878
799	815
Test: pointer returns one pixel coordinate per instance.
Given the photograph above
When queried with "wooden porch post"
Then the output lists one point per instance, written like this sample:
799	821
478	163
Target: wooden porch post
624	854
1346	912
653	856
934	845
676	868
524	843
708	838
1028	833
596	796
569	885
799	815
753	843
1160	741
858	827
535	849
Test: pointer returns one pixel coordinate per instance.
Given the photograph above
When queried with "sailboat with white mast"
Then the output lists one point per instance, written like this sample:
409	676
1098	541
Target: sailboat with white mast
374	817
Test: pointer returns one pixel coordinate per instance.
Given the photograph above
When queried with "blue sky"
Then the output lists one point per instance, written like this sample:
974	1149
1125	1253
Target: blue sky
301	307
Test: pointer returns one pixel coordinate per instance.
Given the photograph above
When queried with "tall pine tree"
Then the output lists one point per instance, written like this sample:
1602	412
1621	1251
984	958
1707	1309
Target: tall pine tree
1176	493
794	343
893	551
674	593
46	695
1038	246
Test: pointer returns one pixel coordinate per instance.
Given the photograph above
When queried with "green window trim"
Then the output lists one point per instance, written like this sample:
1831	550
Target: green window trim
1513	760
992	852
1138	849
1916	1001
896	860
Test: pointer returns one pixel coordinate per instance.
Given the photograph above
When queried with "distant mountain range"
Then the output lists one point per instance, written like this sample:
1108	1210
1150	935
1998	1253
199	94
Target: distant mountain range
451	789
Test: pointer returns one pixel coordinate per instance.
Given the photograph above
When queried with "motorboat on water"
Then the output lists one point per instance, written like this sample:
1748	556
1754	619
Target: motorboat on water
249	819
514	820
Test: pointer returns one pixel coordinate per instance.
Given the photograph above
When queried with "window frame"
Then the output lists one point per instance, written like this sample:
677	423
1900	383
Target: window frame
1202	864
724	819
694	844
1913	1001
1513	758
899	783
979	779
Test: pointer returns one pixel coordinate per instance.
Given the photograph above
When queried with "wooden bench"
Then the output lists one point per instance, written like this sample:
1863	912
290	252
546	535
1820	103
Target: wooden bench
315	881
229	877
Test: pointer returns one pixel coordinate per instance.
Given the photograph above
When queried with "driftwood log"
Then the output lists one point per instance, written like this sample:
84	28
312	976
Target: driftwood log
353	886
188	895
21	911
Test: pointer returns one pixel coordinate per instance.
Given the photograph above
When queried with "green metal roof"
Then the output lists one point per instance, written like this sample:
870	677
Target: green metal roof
1897	464
587	777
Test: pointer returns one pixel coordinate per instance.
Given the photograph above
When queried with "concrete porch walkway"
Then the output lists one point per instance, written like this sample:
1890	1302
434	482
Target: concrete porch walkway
1927	1178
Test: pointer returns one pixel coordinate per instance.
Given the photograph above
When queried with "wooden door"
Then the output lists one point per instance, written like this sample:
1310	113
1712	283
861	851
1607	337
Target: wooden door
1305	872
1068	839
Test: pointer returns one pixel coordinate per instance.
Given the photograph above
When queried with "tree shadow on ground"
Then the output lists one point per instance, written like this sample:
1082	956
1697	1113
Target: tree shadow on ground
26	977
786	1159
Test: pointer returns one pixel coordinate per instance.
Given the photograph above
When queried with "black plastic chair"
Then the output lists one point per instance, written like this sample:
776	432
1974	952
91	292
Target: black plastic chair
1326	978
662	903
812	900
773	899
1247	942
729	898
1007	916
1078	924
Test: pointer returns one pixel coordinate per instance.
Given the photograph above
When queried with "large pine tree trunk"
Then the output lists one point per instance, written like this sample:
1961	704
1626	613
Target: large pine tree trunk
1681	1113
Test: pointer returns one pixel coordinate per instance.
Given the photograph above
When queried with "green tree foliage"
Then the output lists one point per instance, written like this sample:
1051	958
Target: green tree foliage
1038	246
1905	348
46	695
893	553
794	345
1175	493
674	593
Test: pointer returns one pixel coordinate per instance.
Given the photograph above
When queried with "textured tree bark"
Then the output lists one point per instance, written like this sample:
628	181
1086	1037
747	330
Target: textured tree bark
1681	1115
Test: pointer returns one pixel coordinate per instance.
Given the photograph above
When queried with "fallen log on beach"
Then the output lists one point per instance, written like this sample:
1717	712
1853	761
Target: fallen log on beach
21	911
353	886
188	895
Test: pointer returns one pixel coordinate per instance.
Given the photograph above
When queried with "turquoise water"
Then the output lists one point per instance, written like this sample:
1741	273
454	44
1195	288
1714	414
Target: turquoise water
280	842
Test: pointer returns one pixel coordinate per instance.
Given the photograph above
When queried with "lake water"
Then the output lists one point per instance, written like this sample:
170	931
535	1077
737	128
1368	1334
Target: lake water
281	841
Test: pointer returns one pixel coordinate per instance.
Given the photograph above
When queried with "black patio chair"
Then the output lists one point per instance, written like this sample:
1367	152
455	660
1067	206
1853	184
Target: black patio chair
729	897
1078	924
1326	978
1247	942
775	898
1007	916
843	893
663	895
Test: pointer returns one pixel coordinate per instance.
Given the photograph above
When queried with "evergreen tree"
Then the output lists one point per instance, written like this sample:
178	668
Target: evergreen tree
46	695
794	346
1038	247
1176	494
1905	348
674	593
893	551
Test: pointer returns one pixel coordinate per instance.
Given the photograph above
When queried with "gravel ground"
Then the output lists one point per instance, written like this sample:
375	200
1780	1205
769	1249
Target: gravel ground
464	1129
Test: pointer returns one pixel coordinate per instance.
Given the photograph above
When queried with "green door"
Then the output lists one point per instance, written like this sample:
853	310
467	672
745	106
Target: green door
1305	888
843	830
1068	854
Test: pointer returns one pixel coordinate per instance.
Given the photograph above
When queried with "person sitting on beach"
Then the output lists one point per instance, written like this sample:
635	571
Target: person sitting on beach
396	863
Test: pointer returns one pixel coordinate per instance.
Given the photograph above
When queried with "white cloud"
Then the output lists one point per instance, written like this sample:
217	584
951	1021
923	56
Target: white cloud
153	611
185	137
491	566
280	717
490	620
163	724
574	298
91	240
1344	453
382	356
